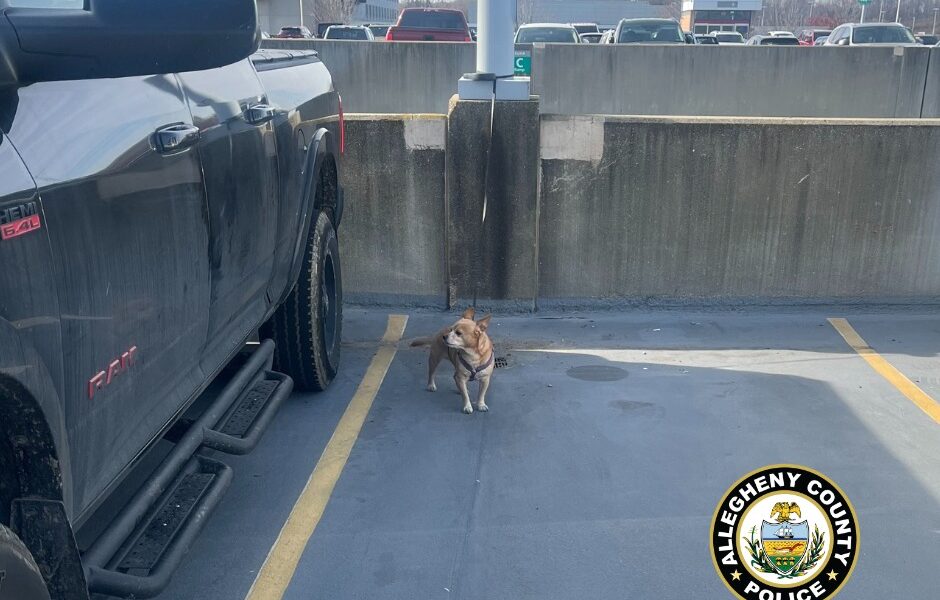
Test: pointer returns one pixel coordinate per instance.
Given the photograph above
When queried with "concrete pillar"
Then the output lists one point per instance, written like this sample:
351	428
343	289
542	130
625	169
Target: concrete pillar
492	261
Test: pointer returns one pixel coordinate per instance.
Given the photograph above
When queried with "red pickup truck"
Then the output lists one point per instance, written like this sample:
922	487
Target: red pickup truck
430	25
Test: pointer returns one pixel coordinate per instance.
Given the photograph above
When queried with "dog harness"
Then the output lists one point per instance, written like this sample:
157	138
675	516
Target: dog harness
476	371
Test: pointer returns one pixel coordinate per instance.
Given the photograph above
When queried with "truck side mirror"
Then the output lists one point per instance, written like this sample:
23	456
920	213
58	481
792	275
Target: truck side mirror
119	38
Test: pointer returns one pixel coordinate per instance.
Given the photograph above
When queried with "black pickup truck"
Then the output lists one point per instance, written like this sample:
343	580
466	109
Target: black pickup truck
169	272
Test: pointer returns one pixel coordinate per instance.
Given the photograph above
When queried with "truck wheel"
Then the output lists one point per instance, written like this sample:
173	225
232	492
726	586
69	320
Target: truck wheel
307	328
20	578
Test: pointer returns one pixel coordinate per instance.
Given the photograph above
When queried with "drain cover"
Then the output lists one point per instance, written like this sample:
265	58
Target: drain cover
597	373
500	362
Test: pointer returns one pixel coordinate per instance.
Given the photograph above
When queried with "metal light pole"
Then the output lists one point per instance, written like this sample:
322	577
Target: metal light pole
495	56
934	32
495	20
897	15
863	14
301	13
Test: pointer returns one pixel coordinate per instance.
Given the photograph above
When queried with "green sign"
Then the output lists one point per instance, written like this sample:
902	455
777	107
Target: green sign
864	2
523	64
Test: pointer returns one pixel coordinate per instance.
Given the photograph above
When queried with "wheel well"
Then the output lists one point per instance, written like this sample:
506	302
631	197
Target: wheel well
29	465
327	188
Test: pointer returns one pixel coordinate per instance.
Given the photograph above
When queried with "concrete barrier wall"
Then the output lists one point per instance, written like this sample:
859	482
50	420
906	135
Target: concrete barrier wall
402	77
735	80
396	77
740	210
392	237
641	210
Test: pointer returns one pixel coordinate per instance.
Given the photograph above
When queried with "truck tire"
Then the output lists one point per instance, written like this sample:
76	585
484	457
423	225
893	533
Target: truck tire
307	328
20	578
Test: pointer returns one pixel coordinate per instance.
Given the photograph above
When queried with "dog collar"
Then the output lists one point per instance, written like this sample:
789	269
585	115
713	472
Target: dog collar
476	371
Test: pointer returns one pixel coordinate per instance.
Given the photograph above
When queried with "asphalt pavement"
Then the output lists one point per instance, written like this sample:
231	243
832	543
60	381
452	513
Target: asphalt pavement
610	439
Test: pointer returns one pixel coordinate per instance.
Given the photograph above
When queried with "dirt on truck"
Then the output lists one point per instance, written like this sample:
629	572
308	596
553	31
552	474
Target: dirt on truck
169	207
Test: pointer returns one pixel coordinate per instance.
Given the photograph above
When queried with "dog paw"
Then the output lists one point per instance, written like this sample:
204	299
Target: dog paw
468	410
482	407
432	387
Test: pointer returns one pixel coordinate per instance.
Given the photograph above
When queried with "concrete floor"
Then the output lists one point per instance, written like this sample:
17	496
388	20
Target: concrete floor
611	438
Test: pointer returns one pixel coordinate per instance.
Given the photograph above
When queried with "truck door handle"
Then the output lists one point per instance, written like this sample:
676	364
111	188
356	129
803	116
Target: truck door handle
260	113
173	138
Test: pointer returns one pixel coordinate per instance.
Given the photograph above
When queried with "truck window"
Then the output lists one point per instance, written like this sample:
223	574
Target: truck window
421	19
650	32
335	33
882	35
561	35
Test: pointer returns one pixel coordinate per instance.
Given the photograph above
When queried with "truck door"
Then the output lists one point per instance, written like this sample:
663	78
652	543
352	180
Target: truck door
123	206
239	161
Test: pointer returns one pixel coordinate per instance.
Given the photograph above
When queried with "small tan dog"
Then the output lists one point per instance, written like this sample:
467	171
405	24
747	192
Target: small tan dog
470	350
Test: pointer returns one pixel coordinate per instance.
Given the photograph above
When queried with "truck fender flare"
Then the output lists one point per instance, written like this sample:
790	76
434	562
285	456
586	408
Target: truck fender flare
320	148
30	411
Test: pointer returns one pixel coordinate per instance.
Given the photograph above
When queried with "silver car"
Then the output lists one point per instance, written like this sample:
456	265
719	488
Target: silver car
871	34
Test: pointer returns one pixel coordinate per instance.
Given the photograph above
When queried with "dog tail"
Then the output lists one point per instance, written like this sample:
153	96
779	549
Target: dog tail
419	342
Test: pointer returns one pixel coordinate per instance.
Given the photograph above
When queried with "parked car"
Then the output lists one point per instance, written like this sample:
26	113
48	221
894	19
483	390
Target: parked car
591	38
927	39
379	31
770	40
608	37
821	41
729	38
707	39
808	37
781	33
349	32
430	25
582	28
648	31
191	202
294	32
551	33
871	34
473	32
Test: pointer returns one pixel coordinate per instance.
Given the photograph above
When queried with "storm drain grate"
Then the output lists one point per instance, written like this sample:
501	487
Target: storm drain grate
500	362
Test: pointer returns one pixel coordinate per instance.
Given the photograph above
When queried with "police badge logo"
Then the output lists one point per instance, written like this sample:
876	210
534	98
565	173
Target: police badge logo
784	532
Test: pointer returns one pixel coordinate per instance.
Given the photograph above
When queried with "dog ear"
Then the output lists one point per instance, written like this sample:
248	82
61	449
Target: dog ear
469	313
484	323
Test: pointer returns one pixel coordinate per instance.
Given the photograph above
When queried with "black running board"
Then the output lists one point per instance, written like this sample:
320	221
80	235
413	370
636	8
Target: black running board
139	551
240	430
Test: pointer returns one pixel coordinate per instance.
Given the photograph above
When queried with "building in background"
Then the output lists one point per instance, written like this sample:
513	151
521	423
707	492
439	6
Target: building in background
703	16
376	11
274	14
606	13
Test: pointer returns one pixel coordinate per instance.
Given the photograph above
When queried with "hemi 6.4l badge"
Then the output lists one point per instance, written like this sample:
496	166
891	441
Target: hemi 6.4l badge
18	220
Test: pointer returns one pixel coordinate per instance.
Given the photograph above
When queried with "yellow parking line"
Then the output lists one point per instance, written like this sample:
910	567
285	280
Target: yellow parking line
278	569
887	370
